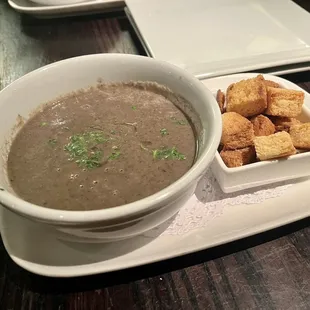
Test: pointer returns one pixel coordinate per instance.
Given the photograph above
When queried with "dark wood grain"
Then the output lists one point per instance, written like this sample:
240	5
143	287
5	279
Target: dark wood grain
266	271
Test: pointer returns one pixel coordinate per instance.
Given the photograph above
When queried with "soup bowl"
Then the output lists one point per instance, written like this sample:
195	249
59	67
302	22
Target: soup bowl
24	95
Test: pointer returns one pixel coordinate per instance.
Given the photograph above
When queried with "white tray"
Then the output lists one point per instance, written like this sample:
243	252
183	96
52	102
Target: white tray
219	37
87	7
213	219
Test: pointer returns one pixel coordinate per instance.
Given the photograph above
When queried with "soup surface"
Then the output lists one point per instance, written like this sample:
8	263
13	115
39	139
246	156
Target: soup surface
102	147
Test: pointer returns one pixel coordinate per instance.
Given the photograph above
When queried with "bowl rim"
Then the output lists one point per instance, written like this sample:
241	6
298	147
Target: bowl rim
28	209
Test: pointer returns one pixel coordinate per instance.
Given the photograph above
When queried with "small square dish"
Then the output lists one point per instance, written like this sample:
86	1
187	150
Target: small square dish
261	172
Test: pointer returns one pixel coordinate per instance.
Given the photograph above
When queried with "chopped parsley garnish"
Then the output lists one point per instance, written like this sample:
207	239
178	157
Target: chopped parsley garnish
115	155
134	107
43	124
144	144
84	148
164	132
91	161
168	153
178	121
52	142
143	147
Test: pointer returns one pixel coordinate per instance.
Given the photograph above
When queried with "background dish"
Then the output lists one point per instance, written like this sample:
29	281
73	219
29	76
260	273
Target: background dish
56	2
81	8
212	38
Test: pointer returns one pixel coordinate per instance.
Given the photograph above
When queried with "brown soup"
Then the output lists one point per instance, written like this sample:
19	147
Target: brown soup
102	147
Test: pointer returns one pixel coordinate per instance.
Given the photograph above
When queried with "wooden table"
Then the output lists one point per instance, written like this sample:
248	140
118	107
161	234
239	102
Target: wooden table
267	271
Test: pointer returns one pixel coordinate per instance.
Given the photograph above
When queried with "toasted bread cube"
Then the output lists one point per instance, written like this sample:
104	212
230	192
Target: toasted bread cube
238	158
247	97
220	98
274	146
300	135
284	123
237	131
273	84
262	125
284	102
268	83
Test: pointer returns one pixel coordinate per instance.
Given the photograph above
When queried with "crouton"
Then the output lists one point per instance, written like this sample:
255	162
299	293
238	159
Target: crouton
273	84
284	123
300	135
262	126
220	98
237	131
268	83
284	102
238	158
247	97
274	146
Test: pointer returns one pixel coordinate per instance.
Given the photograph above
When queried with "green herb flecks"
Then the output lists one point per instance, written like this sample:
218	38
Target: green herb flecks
43	124
113	132
115	155
168	153
143	147
93	160
144	144
52	142
164	132
84	148
134	107
179	121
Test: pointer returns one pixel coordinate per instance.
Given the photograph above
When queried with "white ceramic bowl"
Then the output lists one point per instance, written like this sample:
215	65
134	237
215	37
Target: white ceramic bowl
46	83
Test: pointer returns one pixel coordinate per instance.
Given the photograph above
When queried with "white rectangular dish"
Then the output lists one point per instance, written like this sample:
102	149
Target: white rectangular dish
87	7
213	38
259	173
279	70
208	219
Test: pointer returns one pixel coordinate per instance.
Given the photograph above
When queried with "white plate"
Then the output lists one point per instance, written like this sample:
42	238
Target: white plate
218	37
280	70
87	7
261	173
42	252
